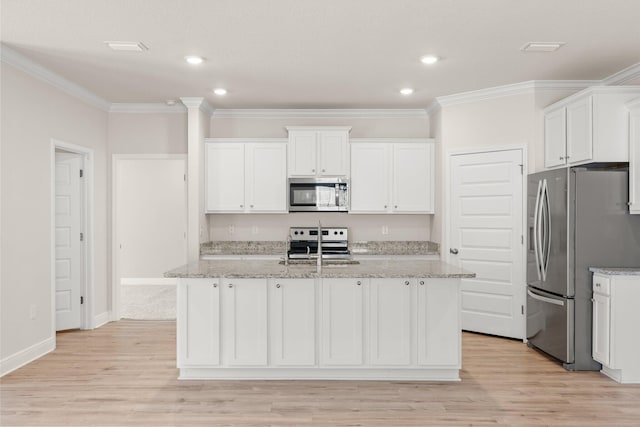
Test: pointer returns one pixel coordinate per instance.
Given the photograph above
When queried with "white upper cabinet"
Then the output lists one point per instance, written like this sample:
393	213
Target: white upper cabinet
634	156
589	126
245	177
318	151
392	176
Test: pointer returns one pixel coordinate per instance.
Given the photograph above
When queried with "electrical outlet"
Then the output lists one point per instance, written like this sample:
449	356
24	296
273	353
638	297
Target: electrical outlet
232	229
385	229
254	229
33	311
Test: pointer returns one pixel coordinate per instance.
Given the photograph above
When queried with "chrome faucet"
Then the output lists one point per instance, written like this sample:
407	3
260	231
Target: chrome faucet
287	246
319	263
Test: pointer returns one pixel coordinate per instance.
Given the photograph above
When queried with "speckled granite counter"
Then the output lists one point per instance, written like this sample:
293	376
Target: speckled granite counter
617	271
365	269
255	247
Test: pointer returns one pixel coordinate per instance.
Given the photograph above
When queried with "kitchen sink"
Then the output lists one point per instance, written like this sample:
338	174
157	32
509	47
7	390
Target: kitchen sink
325	263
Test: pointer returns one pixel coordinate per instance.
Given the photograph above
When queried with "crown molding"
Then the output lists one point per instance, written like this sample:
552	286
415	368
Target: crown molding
321	113
433	108
197	102
623	76
148	108
514	89
32	68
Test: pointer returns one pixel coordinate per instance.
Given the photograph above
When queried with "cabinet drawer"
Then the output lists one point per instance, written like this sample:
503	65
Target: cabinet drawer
601	285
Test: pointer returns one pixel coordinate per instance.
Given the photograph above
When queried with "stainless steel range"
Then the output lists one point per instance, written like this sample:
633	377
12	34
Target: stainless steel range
304	243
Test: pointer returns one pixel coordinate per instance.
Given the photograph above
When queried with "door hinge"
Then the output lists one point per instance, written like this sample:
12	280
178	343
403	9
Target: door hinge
185	176
81	300
522	310
82	237
521	168
81	173
522	239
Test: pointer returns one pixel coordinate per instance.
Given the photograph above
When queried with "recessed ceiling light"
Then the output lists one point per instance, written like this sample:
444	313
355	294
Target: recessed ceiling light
406	91
127	46
429	59
542	46
220	91
193	59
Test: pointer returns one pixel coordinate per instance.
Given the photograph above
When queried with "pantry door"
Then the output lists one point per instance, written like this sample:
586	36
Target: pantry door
486	237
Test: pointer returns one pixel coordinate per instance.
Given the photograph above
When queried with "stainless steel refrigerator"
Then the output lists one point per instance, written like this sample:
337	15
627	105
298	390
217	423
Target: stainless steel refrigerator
577	218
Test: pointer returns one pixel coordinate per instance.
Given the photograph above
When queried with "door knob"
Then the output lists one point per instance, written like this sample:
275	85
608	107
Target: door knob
454	251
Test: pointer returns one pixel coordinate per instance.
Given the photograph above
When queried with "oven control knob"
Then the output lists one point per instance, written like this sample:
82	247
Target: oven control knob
335	232
341	233
295	232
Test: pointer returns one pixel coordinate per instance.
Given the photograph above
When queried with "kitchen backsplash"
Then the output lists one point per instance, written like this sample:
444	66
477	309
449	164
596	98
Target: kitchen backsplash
275	227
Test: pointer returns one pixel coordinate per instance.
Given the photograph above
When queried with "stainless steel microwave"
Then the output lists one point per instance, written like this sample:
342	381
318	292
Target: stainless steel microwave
319	194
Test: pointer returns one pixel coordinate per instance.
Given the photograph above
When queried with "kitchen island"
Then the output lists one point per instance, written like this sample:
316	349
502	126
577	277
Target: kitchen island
391	319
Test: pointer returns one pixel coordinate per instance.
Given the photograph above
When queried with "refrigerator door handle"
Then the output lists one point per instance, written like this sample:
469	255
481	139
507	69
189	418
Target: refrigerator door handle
545	299
536	230
545	251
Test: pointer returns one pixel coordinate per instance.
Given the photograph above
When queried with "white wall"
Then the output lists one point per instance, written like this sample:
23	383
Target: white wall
33	112
148	133
361	227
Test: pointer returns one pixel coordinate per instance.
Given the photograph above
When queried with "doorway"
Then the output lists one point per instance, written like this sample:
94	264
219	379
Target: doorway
71	237
486	236
149	233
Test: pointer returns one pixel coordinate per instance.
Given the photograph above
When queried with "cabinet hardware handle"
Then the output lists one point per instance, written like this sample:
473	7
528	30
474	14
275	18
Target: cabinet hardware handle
231	285
561	158
323	170
566	157
358	283
313	170
385	206
251	206
215	285
597	285
396	206
421	282
278	285
241	206
406	283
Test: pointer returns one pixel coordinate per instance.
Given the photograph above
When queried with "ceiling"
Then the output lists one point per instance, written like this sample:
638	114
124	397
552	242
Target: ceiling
319	53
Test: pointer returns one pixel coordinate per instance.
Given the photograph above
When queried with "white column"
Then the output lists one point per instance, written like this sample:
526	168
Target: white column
196	126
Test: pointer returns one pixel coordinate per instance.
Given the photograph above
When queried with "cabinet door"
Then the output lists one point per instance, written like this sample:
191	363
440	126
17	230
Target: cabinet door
266	177
601	328
370	176
634	160
302	153
333	153
580	131
555	138
341	326
198	322
390	322
245	305
225	177
438	321
293	321
413	177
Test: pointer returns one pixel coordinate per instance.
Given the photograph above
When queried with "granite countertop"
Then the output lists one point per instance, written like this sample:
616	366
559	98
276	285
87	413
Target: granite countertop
365	269
257	247
617	271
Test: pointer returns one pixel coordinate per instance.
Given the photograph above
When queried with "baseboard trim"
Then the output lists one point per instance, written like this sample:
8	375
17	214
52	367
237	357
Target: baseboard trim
28	355
102	319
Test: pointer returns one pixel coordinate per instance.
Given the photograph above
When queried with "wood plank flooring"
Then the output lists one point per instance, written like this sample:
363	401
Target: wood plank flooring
124	374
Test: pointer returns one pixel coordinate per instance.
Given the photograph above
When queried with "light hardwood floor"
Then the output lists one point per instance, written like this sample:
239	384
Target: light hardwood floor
124	374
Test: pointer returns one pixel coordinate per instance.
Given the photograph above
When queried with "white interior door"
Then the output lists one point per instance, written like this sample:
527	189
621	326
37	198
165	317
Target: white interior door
486	237
68	249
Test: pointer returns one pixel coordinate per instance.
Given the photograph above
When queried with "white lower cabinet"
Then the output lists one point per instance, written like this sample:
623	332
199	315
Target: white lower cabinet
198	323
615	325
313	328
293	321
390	322
245	307
439	328
342	322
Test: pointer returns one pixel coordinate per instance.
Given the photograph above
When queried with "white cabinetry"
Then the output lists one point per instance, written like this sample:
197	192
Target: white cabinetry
390	322
245	307
615	319
293	321
438	323
392	176
589	126
341	327
246	176
198	323
634	156
318	151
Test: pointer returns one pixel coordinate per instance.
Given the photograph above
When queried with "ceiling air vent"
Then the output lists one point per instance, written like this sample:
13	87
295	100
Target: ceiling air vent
127	46
542	46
